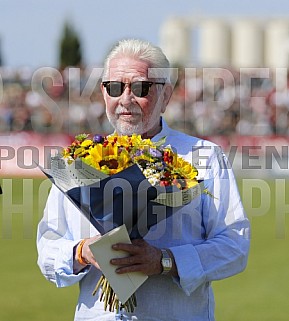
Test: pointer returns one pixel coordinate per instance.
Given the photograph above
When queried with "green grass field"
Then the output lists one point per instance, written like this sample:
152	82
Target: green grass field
259	294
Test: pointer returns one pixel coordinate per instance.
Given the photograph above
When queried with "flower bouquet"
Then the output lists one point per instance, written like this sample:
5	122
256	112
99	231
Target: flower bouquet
124	180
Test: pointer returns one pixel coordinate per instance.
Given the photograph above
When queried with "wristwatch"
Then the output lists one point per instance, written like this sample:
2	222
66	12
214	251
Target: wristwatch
166	262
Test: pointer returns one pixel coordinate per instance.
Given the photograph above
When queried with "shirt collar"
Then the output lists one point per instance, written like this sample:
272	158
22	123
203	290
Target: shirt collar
163	133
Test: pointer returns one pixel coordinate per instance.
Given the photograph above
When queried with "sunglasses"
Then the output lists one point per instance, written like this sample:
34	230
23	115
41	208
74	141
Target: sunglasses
139	88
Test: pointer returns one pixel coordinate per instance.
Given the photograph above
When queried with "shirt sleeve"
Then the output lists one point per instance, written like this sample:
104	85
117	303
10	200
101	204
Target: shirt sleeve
224	250
56	240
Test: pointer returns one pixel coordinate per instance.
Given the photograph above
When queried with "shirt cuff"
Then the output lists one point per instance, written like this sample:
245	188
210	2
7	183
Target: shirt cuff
64	266
189	266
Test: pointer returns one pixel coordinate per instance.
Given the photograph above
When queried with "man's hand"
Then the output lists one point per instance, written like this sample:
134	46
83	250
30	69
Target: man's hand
86	252
143	257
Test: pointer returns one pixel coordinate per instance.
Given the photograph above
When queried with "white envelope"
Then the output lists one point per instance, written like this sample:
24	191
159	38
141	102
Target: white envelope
124	285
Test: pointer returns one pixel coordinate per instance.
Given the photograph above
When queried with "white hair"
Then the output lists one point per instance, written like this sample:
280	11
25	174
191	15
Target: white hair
141	50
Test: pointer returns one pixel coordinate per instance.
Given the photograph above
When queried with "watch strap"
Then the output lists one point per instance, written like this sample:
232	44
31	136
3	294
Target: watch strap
166	262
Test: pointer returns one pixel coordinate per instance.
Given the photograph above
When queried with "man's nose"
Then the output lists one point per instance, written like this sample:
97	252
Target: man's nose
127	96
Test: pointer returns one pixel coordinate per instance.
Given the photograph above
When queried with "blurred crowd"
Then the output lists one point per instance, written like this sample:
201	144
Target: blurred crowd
206	101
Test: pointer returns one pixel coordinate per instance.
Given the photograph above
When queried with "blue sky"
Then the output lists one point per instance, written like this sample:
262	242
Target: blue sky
30	29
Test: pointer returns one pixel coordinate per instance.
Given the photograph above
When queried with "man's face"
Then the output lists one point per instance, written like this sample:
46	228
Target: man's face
128	113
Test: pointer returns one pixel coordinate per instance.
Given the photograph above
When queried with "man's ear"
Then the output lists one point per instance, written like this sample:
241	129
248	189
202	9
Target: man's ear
102	89
168	90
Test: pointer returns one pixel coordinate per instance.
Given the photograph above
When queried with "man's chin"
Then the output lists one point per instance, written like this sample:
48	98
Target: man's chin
125	128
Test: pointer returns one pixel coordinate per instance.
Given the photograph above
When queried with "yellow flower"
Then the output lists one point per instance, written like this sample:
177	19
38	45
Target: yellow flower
86	143
95	156
124	157
119	140
144	157
89	160
136	140
110	150
185	168
107	159
66	153
112	138
116	152
191	183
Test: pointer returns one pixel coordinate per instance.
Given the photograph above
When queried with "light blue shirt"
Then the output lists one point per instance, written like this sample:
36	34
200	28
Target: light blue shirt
209	239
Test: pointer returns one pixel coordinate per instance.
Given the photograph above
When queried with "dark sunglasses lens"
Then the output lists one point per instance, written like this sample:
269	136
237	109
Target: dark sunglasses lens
140	88
114	88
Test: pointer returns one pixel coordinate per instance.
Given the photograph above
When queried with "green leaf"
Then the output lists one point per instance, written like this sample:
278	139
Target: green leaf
81	137
161	141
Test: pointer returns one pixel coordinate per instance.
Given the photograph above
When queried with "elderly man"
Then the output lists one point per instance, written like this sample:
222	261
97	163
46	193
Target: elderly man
206	240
